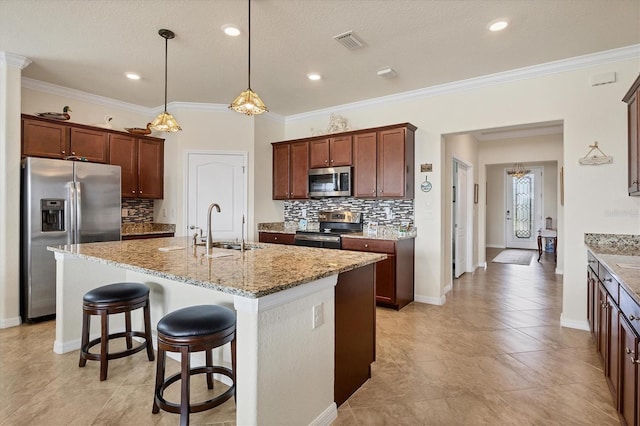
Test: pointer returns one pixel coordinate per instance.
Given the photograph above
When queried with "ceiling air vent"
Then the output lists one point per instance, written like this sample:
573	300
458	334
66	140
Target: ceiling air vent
349	40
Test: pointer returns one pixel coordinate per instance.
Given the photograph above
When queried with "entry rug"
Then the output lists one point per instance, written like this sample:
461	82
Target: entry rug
515	257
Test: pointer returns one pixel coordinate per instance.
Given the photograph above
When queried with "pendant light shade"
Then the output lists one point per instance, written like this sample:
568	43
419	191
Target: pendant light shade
248	102
518	171
165	121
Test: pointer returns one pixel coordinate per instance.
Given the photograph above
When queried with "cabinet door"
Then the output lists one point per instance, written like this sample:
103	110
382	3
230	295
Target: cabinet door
123	152
150	169
591	287
391	163
319	154
90	144
340	151
613	348
42	139
601	329
281	171
299	170
628	373
633	110
386	280
364	165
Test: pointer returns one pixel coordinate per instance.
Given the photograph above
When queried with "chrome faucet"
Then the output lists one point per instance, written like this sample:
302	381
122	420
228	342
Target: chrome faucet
209	243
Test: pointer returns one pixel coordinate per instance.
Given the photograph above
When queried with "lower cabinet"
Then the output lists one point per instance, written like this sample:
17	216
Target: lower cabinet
614	320
394	275
275	238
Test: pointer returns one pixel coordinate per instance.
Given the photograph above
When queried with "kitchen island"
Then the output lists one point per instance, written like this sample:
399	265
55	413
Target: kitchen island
287	299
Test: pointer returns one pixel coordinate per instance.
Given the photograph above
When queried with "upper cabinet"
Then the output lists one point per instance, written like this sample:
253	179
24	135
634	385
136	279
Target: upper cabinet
632	98
141	158
382	160
330	152
41	138
290	170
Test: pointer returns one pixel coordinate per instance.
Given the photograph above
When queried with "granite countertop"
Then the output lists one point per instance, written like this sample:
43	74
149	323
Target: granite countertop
620	254
147	228
252	273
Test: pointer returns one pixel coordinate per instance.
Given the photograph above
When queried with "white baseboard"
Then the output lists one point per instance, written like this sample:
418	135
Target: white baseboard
448	288
569	323
68	346
326	417
10	322
430	300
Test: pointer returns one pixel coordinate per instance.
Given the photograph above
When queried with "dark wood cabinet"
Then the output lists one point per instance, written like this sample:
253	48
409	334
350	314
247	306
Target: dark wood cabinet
365	165
330	152
276	238
383	163
43	138
632	98
290	170
142	165
394	275
614	318
382	160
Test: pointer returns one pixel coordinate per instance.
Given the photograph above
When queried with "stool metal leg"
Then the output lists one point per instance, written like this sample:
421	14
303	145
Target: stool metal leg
185	382
104	345
86	326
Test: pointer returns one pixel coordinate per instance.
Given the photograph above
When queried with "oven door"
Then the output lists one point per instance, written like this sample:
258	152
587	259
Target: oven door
320	241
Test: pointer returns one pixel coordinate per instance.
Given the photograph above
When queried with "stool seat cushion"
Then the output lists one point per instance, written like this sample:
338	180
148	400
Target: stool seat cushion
197	321
117	292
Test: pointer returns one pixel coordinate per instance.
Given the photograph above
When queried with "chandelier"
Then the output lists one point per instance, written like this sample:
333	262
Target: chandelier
248	102
165	121
518	171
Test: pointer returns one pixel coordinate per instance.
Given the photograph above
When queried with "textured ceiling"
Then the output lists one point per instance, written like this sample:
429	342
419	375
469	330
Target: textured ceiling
88	45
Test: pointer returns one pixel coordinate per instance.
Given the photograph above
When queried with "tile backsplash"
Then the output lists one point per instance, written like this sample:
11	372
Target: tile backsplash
137	210
385	212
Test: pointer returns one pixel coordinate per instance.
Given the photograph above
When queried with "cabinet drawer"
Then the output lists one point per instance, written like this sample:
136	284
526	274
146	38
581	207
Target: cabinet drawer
609	282
276	238
630	309
376	246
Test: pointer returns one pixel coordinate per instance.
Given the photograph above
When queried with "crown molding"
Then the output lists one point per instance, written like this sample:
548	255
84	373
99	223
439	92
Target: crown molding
13	60
555	67
54	89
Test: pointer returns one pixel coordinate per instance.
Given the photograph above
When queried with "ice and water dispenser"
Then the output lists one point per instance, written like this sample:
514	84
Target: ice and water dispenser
52	211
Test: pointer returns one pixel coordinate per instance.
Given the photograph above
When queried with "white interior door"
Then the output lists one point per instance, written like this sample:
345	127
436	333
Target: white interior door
460	220
217	178
523	213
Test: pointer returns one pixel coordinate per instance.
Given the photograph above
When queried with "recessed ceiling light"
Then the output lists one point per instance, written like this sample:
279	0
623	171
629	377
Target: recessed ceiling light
132	75
314	76
498	25
231	30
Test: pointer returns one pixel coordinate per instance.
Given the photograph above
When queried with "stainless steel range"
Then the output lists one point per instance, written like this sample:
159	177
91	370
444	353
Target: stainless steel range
332	225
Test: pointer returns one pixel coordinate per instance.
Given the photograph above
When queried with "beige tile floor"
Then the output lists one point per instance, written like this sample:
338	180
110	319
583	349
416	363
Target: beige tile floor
493	354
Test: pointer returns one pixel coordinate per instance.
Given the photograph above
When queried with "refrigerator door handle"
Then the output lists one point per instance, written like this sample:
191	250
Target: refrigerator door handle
78	212
71	209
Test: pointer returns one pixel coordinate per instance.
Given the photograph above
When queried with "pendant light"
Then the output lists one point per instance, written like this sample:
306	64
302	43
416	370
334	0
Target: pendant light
518	171
165	121
248	102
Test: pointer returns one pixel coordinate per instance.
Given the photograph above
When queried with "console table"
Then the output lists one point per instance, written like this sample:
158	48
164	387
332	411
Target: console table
548	233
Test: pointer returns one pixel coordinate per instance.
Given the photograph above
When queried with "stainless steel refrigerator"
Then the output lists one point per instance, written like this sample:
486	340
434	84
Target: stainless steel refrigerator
63	202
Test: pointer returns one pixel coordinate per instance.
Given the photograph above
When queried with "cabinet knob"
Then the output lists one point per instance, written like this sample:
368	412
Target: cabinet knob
64	152
633	318
275	238
635	182
366	245
332	161
592	261
73	153
373	192
133	192
326	161
381	191
629	351
139	192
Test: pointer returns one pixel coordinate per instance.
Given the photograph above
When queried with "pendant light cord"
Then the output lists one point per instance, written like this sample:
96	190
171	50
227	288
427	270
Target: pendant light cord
166	53
249	62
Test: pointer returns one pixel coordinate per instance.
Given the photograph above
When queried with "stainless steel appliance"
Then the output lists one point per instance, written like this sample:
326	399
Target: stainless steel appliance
330	182
332	226
63	202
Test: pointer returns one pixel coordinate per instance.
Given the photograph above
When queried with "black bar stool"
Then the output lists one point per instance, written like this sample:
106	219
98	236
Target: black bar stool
114	299
194	329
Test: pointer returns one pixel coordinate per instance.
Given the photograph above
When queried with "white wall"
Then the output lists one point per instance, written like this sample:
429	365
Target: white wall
589	113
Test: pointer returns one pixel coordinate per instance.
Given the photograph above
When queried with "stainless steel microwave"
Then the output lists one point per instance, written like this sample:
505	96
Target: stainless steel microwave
330	182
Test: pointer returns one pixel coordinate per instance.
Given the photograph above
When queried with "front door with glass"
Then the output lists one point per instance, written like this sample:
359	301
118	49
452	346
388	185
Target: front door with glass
523	216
